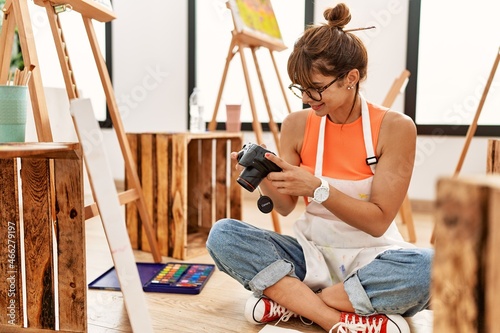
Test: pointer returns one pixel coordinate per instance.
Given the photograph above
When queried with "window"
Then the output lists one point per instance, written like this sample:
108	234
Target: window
452	47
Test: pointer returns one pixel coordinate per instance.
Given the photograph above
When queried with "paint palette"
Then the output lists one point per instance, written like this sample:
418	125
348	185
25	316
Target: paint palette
171	277
180	278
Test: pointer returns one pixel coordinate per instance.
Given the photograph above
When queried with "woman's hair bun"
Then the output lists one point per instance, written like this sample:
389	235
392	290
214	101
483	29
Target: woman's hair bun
338	16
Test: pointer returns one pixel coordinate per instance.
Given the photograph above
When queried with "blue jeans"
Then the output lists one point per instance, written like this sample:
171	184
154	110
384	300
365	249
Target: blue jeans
396	282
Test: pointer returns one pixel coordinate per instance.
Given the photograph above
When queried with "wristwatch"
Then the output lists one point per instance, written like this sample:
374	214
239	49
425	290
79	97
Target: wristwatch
322	192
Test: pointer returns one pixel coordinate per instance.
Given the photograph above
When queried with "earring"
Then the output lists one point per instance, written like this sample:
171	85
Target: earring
349	87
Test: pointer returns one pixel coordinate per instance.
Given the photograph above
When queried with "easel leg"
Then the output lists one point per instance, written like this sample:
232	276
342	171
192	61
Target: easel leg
407	218
257	127
405	209
280	82
272	124
59	42
230	55
256	124
38	102
122	139
396	88
6	42
473	126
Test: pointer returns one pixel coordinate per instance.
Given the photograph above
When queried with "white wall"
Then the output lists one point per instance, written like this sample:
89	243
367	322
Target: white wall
149	70
438	156
150	64
150	79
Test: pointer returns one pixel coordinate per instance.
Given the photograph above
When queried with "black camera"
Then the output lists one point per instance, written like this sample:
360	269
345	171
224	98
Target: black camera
251	156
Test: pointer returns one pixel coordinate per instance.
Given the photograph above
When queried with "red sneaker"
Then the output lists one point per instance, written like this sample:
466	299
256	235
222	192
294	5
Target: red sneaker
353	323
263	310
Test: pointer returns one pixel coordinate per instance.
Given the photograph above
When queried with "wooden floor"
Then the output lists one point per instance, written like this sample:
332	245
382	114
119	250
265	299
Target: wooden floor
219	307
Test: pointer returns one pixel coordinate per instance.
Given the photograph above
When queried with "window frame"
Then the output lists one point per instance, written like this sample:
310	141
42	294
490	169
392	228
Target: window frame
107	122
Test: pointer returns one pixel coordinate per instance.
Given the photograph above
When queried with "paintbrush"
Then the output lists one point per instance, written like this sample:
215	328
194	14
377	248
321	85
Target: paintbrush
17	73
28	75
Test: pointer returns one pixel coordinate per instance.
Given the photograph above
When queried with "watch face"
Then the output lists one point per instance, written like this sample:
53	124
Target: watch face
321	194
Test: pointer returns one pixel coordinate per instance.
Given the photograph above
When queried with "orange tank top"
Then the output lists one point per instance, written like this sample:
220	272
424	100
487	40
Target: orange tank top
344	150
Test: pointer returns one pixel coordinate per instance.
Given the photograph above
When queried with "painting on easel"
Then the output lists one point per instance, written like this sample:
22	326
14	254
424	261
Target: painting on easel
105	3
256	20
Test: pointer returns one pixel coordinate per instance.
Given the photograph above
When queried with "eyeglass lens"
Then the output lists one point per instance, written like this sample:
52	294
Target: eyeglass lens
312	93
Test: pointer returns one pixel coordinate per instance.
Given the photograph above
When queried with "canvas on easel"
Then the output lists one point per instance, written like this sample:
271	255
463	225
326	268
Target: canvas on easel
255	19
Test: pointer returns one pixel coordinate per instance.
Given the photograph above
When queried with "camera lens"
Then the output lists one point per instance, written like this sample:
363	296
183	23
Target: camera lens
246	185
250	178
252	157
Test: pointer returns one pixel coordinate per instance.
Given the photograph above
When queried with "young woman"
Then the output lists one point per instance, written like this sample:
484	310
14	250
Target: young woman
347	268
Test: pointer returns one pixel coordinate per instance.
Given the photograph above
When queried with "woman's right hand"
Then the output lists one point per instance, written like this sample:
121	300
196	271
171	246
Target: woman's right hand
237	166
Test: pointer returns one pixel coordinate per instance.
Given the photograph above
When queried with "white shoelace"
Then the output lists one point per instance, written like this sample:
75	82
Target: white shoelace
347	328
373	326
286	314
283	312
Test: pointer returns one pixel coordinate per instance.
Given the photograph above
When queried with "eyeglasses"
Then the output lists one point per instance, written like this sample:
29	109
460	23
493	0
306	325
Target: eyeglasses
313	93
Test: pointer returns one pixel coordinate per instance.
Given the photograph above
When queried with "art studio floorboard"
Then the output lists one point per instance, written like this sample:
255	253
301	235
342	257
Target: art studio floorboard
219	307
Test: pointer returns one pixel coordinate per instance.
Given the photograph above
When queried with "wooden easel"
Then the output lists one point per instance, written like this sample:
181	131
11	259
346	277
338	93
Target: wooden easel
473	127
405	209
16	13
240	41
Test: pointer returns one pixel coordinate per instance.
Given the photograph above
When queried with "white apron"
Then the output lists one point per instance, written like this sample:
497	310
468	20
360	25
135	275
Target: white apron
332	248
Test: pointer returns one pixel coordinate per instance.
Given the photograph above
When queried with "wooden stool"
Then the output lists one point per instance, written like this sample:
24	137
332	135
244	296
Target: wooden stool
466	266
189	182
43	213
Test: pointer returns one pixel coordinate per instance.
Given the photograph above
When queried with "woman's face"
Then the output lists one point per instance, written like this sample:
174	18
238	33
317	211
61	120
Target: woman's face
335	97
